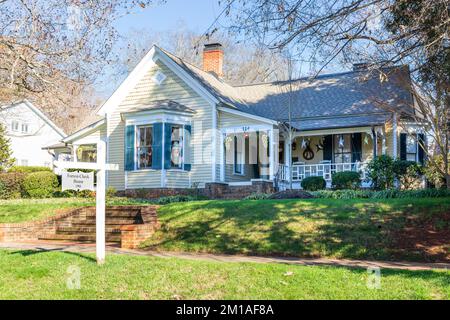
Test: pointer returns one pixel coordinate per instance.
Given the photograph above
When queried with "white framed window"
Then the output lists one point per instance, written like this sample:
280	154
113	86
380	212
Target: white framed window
159	78
144	146
15	125
239	154
411	148
24	162
25	127
176	147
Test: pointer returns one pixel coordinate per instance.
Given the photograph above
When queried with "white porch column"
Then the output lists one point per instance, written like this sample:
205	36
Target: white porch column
272	154
287	151
394	137
222	157
75	149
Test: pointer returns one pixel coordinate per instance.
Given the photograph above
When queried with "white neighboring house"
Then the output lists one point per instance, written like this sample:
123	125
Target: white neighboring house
29	131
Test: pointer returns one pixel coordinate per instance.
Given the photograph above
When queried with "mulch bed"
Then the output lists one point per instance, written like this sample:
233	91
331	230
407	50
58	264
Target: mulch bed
426	236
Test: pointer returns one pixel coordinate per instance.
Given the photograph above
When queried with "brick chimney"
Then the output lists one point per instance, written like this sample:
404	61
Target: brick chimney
213	59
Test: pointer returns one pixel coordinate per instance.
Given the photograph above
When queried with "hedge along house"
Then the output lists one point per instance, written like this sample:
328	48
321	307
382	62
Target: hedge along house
172	125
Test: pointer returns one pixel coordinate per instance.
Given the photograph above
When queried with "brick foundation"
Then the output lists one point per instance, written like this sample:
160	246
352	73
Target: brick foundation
215	190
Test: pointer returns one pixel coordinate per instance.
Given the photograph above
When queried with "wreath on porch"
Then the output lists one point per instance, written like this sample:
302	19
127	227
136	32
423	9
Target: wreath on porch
308	154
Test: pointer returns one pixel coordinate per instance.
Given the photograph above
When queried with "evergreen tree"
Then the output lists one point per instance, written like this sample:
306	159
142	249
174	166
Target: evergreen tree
6	159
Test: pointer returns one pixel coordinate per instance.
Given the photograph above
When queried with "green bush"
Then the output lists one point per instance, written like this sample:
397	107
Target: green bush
12	185
381	172
173	199
111	192
384	194
40	184
25	169
342	194
408	173
314	183
258	196
346	180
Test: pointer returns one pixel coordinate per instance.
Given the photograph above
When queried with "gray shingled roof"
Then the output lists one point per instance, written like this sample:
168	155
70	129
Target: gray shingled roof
169	105
318	102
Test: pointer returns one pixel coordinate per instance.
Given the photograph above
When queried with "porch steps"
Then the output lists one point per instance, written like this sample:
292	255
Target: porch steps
81	227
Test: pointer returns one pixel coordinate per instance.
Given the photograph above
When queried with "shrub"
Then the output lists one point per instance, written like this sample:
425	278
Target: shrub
257	196
381	172
342	194
173	199
314	183
434	170
40	184
408	173
12	183
384	194
25	169
346	180
111	192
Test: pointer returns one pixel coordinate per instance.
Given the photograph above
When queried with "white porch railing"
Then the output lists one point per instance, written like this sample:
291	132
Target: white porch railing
325	170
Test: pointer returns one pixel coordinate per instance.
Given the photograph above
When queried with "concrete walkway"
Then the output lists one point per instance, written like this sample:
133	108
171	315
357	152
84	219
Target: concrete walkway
90	248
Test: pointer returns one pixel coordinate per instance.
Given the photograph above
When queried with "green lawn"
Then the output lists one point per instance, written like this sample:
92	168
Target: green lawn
388	229
39	275
22	210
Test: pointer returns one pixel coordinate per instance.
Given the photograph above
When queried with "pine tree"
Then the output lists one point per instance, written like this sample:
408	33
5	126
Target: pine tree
6	159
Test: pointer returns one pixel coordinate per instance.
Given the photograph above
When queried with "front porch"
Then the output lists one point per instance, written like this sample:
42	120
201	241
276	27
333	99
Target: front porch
267	154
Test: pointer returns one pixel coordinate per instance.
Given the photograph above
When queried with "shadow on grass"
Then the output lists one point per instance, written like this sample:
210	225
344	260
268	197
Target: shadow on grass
354	229
26	253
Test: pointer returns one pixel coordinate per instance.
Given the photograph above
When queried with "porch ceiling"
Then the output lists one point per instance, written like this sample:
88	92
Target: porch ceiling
340	122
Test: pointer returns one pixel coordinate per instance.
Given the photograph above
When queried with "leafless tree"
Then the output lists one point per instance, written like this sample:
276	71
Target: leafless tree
243	63
51	50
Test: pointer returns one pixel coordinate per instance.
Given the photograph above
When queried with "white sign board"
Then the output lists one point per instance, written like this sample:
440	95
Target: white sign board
77	181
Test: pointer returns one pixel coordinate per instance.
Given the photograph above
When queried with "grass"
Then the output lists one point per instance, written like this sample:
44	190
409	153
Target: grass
357	229
44	275
22	210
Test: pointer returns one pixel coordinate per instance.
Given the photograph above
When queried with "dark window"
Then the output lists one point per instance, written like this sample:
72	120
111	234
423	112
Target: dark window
342	148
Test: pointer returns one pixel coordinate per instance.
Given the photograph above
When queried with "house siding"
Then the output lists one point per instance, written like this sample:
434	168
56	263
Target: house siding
146	91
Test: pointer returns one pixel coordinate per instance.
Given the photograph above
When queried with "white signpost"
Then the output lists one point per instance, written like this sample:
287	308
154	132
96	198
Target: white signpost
82	181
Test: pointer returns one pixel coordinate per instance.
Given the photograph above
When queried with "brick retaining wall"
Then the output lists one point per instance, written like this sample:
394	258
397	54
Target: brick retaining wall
211	190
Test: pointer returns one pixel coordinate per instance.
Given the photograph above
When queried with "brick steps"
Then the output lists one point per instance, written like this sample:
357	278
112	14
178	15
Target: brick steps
88	237
85	229
81	227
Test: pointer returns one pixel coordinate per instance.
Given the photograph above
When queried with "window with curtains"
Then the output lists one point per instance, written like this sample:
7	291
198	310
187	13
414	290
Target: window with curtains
144	147
176	147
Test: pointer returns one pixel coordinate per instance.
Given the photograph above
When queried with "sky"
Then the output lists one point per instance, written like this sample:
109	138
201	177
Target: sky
197	14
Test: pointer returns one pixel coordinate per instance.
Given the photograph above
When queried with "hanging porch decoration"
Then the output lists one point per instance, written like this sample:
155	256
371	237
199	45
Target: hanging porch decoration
228	141
265	140
320	145
366	139
308	154
341	141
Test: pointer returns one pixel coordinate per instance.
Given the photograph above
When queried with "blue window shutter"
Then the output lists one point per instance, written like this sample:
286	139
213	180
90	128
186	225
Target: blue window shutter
129	148
157	146
187	147
167	144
